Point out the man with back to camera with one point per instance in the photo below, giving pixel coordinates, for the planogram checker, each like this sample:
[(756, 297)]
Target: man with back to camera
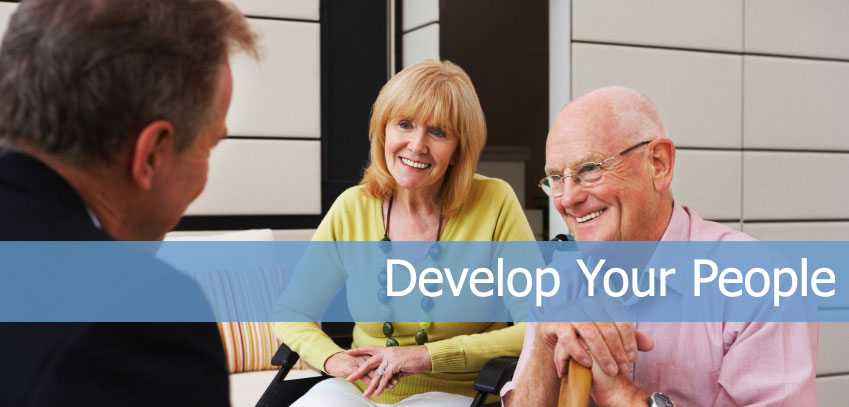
[(108, 112), (618, 164)]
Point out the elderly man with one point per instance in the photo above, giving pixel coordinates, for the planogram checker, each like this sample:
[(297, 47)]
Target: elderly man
[(609, 168), (108, 112)]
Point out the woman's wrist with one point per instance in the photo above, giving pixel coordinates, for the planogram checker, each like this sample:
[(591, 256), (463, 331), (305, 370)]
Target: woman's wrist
[(427, 362), (334, 364)]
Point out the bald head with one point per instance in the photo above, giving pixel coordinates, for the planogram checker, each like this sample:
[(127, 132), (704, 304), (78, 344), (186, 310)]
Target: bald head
[(631, 199), (618, 114)]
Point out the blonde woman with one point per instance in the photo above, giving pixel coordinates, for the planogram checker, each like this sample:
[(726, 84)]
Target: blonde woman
[(427, 131)]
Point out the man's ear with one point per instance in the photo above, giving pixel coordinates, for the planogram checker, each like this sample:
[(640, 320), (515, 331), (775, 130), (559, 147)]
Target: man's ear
[(152, 147), (662, 157)]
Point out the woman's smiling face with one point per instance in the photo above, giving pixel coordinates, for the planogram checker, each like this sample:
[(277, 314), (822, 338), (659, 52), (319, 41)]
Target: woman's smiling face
[(418, 153)]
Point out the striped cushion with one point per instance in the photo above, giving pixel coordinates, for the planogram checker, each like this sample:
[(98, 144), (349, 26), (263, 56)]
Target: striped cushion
[(248, 346)]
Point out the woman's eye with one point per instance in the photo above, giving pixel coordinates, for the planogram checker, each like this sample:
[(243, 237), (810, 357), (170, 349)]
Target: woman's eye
[(438, 133), (404, 124)]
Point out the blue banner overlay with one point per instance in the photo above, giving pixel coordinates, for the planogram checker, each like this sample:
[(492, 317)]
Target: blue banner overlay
[(424, 281)]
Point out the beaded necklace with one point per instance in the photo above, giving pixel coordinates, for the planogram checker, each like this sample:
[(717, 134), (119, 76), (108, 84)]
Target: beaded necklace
[(426, 303)]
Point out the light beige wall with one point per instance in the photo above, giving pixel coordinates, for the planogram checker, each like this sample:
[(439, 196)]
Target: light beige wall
[(755, 94), (294, 9), (420, 25), (274, 122)]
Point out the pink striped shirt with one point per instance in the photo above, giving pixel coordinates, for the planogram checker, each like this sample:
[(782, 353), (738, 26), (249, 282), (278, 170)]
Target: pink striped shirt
[(716, 363)]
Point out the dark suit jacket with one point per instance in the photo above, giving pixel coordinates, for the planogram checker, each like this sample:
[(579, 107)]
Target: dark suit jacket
[(52, 364)]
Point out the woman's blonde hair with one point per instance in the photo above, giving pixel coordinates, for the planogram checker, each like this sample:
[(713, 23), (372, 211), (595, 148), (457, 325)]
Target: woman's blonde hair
[(429, 91)]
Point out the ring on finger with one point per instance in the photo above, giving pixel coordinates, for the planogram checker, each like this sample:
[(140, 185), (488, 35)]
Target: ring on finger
[(380, 371)]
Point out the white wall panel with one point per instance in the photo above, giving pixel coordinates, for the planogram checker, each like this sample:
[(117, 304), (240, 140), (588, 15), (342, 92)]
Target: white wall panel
[(299, 9), (832, 391), (6, 10), (709, 182), (793, 231), (712, 25), (816, 28), (833, 354), (280, 95), (286, 235), (732, 225), (559, 81), (421, 44), (796, 103), (416, 13), (262, 177), (698, 94), (795, 185)]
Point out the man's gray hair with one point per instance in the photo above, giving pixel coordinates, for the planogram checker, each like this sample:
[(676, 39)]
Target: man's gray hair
[(80, 78)]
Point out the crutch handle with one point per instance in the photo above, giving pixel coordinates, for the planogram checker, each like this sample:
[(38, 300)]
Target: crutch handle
[(575, 387)]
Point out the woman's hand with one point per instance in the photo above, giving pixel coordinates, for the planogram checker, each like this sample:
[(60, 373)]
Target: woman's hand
[(343, 365), (395, 361)]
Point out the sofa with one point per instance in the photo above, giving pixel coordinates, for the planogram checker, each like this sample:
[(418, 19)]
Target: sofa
[(248, 346)]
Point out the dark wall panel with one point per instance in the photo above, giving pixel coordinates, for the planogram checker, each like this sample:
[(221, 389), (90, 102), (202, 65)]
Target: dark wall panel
[(354, 67), (503, 45)]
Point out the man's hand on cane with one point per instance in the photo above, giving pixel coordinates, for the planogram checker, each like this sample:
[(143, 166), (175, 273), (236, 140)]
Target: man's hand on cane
[(613, 345), (617, 390)]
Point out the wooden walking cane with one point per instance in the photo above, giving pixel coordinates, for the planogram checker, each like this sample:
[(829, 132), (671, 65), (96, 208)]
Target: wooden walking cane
[(575, 387)]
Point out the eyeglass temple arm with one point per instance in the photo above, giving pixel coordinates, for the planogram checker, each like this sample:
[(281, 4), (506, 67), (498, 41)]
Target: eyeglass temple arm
[(627, 150)]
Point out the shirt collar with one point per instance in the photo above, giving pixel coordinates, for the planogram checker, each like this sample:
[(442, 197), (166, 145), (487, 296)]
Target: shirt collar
[(677, 230), (94, 219)]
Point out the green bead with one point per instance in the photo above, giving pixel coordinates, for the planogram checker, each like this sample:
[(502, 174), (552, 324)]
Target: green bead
[(426, 304), (424, 325), (388, 330), (435, 251), (391, 342), (421, 337)]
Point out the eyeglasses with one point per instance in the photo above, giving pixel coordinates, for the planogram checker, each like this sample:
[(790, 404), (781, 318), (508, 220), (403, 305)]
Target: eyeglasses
[(586, 174)]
